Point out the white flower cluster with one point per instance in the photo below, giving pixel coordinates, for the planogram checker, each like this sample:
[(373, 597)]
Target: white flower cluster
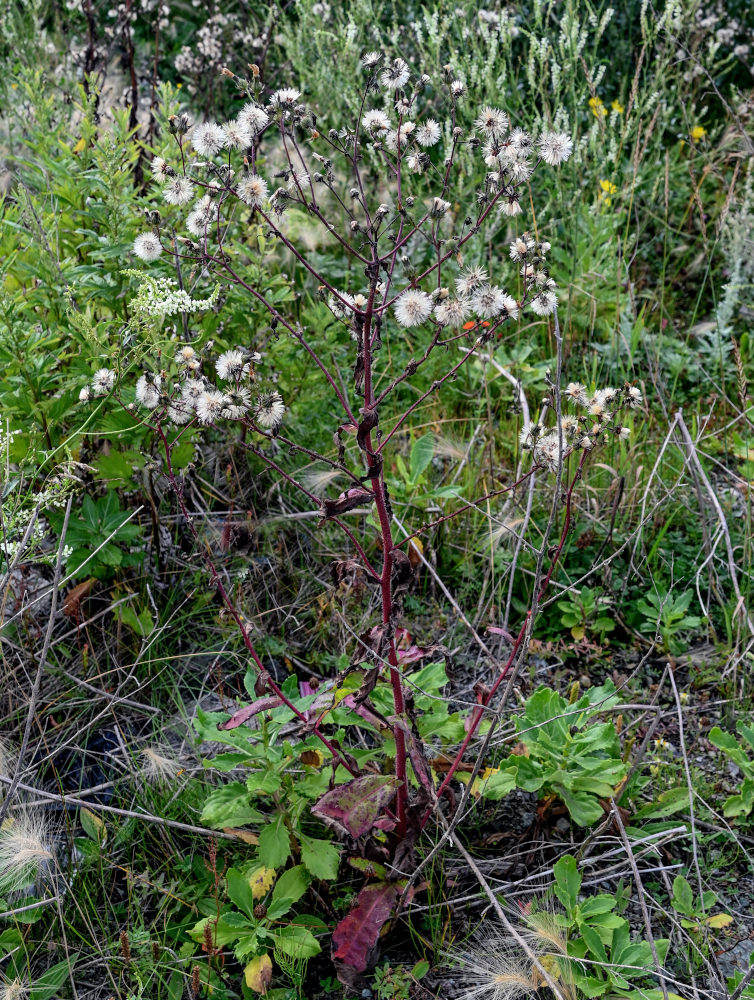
[(160, 297), (582, 430)]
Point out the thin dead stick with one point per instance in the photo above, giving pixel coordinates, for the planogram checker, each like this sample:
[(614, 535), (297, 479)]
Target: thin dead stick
[(31, 906), (640, 893), (37, 686), (694, 456), (72, 802)]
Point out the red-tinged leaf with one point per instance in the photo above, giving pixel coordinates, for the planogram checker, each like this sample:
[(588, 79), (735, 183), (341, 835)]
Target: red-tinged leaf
[(365, 713), (244, 714), (354, 806), (494, 630), (357, 933)]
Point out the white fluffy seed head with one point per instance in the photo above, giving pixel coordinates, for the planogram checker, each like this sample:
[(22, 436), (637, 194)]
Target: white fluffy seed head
[(103, 381), (488, 301), (237, 403), (208, 139), (159, 169), (231, 365), (253, 118), (147, 247), (252, 190), (376, 122), (148, 390), (178, 191), (413, 308), (492, 123), (237, 135), (394, 75), (428, 133), (209, 405), (269, 410), (555, 147)]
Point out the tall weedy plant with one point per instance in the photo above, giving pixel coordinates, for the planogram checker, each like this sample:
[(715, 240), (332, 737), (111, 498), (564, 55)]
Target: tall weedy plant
[(411, 265)]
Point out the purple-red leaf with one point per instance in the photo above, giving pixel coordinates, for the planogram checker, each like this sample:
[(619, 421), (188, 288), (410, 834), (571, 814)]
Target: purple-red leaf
[(357, 933), (354, 806), (244, 714)]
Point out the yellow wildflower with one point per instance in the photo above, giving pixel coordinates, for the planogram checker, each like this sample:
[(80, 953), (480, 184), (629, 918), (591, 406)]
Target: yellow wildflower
[(617, 106), (608, 189), (698, 132), (598, 108)]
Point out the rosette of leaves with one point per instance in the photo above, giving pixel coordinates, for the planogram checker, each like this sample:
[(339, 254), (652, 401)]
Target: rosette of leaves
[(565, 753)]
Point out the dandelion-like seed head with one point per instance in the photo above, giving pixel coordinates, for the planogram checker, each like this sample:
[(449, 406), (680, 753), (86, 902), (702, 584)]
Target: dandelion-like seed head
[(376, 122), (103, 381), (428, 133), (521, 140), (576, 392), (253, 118), (555, 147), (371, 59), (509, 203), (521, 247), (438, 208), (252, 190), (237, 403), (237, 135), (452, 312), (209, 405), (413, 308), (491, 123), (161, 170), (339, 306), (544, 302), (148, 390), (400, 136), (286, 97), (192, 389), (180, 412), (471, 278), (208, 139), (633, 396), (147, 247), (269, 410), (395, 75), (185, 354), (231, 365), (200, 216), (488, 301), (178, 191), (25, 851)]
